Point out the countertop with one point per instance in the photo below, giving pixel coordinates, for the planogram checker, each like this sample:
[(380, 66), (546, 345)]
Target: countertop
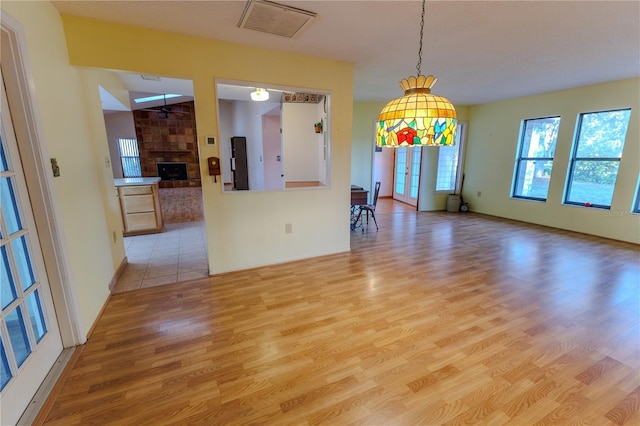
[(136, 181)]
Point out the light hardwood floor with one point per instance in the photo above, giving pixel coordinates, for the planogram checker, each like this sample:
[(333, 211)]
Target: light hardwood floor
[(437, 318)]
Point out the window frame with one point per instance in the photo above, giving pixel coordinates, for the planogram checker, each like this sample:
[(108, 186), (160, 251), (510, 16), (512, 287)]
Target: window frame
[(292, 154), (460, 144), (520, 159), (573, 159), (635, 207)]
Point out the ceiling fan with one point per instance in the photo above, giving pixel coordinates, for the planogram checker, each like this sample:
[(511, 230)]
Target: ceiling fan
[(164, 110)]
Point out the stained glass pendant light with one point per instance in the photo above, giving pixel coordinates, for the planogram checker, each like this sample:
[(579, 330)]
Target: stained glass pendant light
[(418, 117)]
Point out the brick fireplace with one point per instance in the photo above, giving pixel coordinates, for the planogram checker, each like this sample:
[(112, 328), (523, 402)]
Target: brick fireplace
[(170, 139), (172, 171)]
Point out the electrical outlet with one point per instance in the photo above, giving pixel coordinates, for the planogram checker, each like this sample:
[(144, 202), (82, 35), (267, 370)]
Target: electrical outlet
[(107, 162), (479, 193), (288, 228)]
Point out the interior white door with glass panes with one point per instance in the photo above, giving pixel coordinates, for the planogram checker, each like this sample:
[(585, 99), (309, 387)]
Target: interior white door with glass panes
[(30, 340), (407, 174)]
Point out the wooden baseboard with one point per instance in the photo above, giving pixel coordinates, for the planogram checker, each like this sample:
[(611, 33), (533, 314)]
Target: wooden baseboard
[(117, 274), (220, 274)]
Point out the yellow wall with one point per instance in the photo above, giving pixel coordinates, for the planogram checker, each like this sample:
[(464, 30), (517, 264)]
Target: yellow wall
[(492, 139), (491, 150), (108, 80), (68, 136), (362, 149), (244, 229)]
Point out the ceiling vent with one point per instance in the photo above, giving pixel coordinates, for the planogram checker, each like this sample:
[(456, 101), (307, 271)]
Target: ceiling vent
[(274, 18), (150, 77)]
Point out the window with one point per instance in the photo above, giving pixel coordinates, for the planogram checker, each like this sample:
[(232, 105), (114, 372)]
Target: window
[(636, 202), (596, 156), (534, 162), (449, 163), (129, 157)]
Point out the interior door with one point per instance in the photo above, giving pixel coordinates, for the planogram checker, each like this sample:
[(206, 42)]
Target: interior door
[(272, 152), (407, 174), (30, 340)]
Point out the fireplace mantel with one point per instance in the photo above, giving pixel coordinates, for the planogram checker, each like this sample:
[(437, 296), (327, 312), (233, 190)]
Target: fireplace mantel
[(170, 151)]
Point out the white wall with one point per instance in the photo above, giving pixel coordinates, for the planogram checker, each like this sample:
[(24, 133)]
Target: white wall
[(225, 112), (273, 179), (247, 122), (323, 145), (302, 151), (302, 145), (119, 125)]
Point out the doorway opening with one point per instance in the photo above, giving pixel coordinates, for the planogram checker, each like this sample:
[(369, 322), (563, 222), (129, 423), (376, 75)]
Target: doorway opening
[(159, 115)]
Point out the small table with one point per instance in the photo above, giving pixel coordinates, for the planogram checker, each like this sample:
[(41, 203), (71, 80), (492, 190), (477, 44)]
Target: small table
[(359, 196)]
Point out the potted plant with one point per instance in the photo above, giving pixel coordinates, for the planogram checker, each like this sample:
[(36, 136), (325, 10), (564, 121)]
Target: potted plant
[(318, 127)]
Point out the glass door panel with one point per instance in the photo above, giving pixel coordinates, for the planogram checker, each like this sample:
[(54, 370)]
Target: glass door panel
[(407, 174), (400, 173), (415, 173), (29, 337)]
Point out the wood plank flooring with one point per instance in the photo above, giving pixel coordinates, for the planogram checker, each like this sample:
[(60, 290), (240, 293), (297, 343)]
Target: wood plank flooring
[(437, 318)]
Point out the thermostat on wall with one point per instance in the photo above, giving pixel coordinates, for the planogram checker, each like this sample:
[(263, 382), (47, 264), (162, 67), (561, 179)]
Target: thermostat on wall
[(210, 140)]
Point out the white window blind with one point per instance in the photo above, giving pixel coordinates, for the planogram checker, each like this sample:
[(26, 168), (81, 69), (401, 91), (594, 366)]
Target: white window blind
[(130, 157), (448, 163)]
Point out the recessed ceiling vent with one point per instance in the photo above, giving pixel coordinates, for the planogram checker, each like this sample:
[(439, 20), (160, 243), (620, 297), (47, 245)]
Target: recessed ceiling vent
[(150, 77), (274, 18)]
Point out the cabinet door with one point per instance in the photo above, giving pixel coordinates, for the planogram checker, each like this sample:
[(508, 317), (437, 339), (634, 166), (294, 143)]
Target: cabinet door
[(140, 221), (135, 190), (138, 203)]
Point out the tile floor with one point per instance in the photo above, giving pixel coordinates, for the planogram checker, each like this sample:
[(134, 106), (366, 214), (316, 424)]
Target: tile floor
[(178, 253)]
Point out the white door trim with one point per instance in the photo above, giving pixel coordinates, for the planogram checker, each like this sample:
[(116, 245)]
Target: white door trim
[(35, 159)]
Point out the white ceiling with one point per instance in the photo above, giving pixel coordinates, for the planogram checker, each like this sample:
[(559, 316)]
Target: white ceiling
[(481, 51)]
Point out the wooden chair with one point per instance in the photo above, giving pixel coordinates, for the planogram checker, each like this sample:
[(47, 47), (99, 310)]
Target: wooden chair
[(370, 208)]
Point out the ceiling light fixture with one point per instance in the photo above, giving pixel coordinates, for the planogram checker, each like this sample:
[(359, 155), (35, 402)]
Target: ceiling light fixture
[(418, 117), (259, 95)]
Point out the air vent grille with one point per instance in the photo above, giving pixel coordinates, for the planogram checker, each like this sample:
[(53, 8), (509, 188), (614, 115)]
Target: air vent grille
[(274, 18), (150, 77)]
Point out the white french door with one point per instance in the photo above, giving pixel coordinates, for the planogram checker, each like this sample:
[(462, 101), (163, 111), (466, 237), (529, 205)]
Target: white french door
[(30, 341), (407, 174)]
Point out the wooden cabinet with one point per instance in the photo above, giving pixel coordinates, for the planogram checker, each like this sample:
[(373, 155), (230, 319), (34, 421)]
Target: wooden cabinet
[(140, 205)]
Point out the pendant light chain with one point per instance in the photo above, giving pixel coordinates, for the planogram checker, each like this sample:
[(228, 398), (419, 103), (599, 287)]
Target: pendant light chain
[(421, 34), (418, 118)]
